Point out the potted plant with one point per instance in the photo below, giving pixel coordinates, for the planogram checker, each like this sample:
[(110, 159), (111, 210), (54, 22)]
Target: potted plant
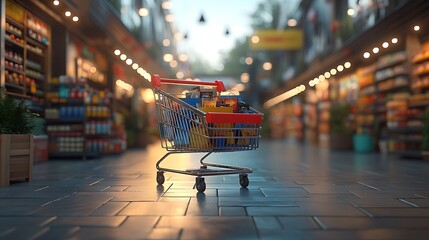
[(425, 142), (341, 134), (16, 140)]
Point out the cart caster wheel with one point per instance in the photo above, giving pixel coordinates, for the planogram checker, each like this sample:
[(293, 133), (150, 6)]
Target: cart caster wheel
[(244, 180), (160, 177), (200, 184), (203, 167)]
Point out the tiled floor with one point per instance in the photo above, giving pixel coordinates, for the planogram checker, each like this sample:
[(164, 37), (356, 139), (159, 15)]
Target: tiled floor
[(295, 192)]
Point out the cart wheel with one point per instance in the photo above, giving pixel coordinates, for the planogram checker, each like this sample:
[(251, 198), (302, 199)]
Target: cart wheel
[(160, 177), (203, 167), (200, 184), (244, 180)]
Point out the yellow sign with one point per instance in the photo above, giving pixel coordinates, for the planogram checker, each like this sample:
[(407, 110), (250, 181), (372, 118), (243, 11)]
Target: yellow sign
[(289, 39), (15, 11)]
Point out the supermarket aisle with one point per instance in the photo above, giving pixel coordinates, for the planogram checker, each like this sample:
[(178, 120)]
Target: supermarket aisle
[(295, 192)]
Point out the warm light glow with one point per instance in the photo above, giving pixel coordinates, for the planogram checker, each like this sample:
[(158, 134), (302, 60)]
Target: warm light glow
[(180, 75), (124, 85), (123, 57), (166, 42), (316, 81), (340, 68), (56, 2), (385, 45), (248, 60), (350, 12), (416, 28), (143, 12), (173, 64), (311, 83), (267, 66), (167, 5), (255, 39), (183, 57), (169, 18), (93, 69), (347, 65), (366, 55), (292, 22), (239, 87), (394, 40), (284, 96), (168, 57), (135, 66), (375, 50), (327, 75), (75, 18), (129, 61), (67, 13), (321, 78), (117, 52), (244, 78), (178, 36), (147, 95), (333, 71)]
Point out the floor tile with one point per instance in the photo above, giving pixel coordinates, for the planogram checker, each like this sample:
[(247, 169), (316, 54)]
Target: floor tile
[(154, 209)]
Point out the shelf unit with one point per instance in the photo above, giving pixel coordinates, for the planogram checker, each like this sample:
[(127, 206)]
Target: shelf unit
[(27, 48), (392, 77), (323, 113), (78, 118), (365, 112), (310, 117)]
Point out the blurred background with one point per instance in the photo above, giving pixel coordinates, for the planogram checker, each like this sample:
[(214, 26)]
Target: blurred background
[(320, 70)]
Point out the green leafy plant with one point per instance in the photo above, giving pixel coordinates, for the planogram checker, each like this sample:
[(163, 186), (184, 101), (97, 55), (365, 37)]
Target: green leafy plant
[(339, 114), (425, 143), (15, 116)]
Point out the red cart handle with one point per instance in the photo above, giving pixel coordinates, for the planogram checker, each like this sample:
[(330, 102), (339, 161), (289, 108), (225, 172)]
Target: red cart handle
[(157, 81)]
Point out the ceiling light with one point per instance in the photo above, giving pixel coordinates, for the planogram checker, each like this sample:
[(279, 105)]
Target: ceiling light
[(56, 2), (366, 55), (333, 71), (135, 66), (143, 12), (67, 13), (123, 57), (117, 52), (166, 42), (347, 65), (75, 18), (129, 61), (416, 28), (394, 40), (292, 22), (385, 45), (350, 12), (327, 75), (375, 50), (340, 68)]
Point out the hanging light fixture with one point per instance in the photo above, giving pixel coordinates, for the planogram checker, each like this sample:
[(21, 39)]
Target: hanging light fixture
[(185, 36), (227, 31), (202, 19)]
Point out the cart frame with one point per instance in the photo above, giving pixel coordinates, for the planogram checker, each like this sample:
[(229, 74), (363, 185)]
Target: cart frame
[(186, 129)]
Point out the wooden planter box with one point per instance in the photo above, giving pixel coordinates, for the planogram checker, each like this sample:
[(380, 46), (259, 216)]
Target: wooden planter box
[(16, 158)]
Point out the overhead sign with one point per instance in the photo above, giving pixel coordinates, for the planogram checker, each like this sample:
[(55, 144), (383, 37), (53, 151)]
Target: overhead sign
[(288, 39)]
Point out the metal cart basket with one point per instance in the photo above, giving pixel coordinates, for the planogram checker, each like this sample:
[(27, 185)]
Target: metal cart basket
[(184, 128)]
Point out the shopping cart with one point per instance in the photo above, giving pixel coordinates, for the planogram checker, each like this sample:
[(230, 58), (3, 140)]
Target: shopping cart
[(184, 128)]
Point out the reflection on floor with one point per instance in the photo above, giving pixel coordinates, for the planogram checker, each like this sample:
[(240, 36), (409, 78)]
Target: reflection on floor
[(295, 192)]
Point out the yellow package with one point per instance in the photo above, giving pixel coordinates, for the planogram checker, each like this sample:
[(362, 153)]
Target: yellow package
[(247, 137), (199, 137), (217, 109)]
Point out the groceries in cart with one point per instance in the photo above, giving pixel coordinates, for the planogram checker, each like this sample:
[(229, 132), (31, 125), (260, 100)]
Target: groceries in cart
[(204, 121)]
